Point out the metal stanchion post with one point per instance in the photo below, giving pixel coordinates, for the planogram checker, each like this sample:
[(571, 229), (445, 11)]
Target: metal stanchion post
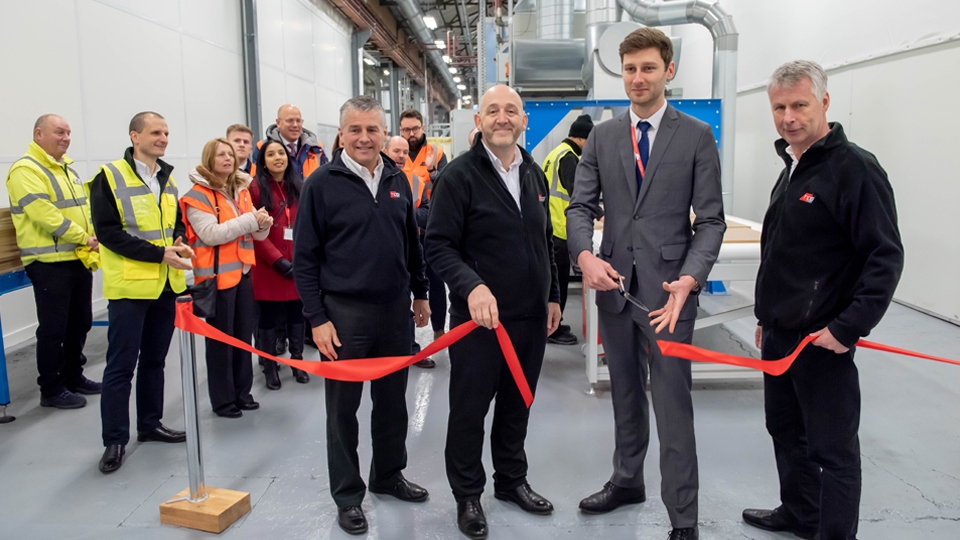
[(188, 368), (199, 507)]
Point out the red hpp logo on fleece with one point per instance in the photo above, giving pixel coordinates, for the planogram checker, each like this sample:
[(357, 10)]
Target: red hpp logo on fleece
[(808, 197), (394, 194), (540, 197)]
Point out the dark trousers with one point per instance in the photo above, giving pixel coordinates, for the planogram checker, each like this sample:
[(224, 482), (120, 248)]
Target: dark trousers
[(438, 300), (230, 370), (138, 339), (632, 354), (63, 292), (562, 258), (280, 315), (478, 374), (813, 415), (367, 330)]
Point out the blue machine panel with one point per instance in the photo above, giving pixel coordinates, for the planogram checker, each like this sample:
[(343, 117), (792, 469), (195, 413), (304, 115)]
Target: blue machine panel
[(545, 115)]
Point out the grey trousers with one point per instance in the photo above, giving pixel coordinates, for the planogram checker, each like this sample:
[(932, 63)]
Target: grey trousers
[(632, 353)]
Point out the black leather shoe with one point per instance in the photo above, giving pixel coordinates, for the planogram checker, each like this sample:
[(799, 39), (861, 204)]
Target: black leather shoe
[(248, 405), (352, 520), (403, 490), (612, 497), (162, 434), (230, 411), (689, 533), (775, 520), (300, 376), (87, 387), (527, 499), (470, 519), (112, 458)]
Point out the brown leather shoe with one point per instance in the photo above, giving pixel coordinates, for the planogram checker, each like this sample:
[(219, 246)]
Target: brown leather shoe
[(426, 363)]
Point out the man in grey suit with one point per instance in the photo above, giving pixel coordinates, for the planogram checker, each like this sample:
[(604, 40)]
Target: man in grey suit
[(651, 165)]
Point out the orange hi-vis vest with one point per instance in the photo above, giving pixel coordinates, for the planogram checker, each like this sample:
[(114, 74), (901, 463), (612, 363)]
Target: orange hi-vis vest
[(417, 166), (234, 254), (416, 186)]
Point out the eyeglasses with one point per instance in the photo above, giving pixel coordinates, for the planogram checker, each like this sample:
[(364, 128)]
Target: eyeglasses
[(411, 131)]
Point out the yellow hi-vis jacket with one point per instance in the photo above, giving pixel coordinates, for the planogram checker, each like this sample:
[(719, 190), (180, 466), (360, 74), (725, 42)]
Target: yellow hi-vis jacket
[(49, 207), (143, 218), (559, 198)]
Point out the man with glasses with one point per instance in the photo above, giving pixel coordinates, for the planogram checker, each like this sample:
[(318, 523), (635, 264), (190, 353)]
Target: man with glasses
[(426, 161), (306, 152)]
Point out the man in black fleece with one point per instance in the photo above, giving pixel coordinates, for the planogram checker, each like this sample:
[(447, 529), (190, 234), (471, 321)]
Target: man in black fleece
[(356, 260), (830, 261), (489, 238)]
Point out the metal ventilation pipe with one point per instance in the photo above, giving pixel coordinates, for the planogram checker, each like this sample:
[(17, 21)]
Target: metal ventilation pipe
[(413, 19), (599, 15), (707, 13), (555, 19)]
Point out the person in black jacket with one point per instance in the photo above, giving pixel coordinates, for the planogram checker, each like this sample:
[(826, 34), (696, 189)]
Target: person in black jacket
[(490, 239), (830, 260), (356, 259)]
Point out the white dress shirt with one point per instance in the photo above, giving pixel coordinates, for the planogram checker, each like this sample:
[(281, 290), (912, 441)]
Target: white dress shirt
[(793, 162), (654, 120), (372, 180), (149, 178), (511, 174), (290, 144)]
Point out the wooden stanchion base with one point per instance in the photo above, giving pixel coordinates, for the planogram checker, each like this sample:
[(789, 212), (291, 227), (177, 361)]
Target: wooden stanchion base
[(222, 508)]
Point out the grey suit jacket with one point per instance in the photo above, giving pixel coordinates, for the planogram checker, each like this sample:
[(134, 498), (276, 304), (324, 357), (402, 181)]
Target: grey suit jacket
[(650, 231)]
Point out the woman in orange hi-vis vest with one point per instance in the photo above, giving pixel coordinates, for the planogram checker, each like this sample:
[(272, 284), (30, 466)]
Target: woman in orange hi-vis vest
[(221, 227)]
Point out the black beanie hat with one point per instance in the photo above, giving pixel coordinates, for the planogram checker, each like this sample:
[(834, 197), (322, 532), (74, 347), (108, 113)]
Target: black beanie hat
[(581, 127)]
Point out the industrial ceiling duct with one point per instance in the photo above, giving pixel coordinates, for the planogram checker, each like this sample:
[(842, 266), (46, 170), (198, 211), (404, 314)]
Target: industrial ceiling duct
[(555, 19), (412, 18)]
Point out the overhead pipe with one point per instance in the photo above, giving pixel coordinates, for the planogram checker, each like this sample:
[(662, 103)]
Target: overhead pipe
[(555, 19), (413, 20), (710, 15)]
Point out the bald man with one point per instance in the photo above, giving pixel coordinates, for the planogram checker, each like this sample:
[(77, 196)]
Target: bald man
[(490, 239), (52, 219), (306, 152), (398, 149)]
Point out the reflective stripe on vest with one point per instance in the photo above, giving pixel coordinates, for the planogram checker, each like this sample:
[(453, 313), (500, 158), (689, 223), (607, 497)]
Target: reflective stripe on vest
[(232, 255), (417, 167), (559, 198), (144, 218)]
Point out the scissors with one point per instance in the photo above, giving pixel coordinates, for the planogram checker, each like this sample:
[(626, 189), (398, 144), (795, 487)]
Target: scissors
[(630, 298)]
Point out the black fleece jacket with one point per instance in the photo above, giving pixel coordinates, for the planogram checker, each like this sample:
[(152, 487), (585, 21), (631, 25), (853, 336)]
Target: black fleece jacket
[(109, 227), (348, 242), (831, 254), (477, 235)]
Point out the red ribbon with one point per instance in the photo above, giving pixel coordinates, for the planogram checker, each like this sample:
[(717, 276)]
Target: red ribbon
[(773, 367), (360, 369)]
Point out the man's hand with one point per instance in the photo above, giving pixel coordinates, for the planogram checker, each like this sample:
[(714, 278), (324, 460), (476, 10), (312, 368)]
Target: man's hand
[(826, 340), (553, 317), (668, 314), (93, 243), (483, 307), (421, 313), (325, 337), (597, 273), (758, 337), (431, 158), (178, 255)]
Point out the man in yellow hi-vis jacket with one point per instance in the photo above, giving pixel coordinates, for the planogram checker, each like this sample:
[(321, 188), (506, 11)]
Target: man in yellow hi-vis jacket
[(52, 218), (133, 201)]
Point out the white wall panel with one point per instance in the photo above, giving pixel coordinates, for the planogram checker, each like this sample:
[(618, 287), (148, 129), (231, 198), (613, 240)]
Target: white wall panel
[(217, 22), (304, 60), (161, 12), (214, 93), (27, 91), (109, 39), (298, 40)]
